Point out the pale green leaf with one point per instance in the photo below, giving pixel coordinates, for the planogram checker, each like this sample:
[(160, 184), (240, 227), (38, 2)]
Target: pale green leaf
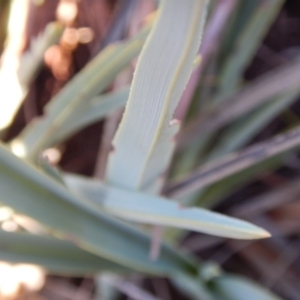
[(40, 197), (143, 143), (149, 209)]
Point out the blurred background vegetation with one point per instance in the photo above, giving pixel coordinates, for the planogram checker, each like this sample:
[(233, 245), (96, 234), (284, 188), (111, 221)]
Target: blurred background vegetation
[(250, 54)]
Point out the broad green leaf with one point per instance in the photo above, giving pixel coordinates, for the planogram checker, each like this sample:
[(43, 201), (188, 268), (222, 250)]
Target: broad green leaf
[(73, 99), (143, 143), (230, 287), (54, 255), (40, 197), (149, 209)]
